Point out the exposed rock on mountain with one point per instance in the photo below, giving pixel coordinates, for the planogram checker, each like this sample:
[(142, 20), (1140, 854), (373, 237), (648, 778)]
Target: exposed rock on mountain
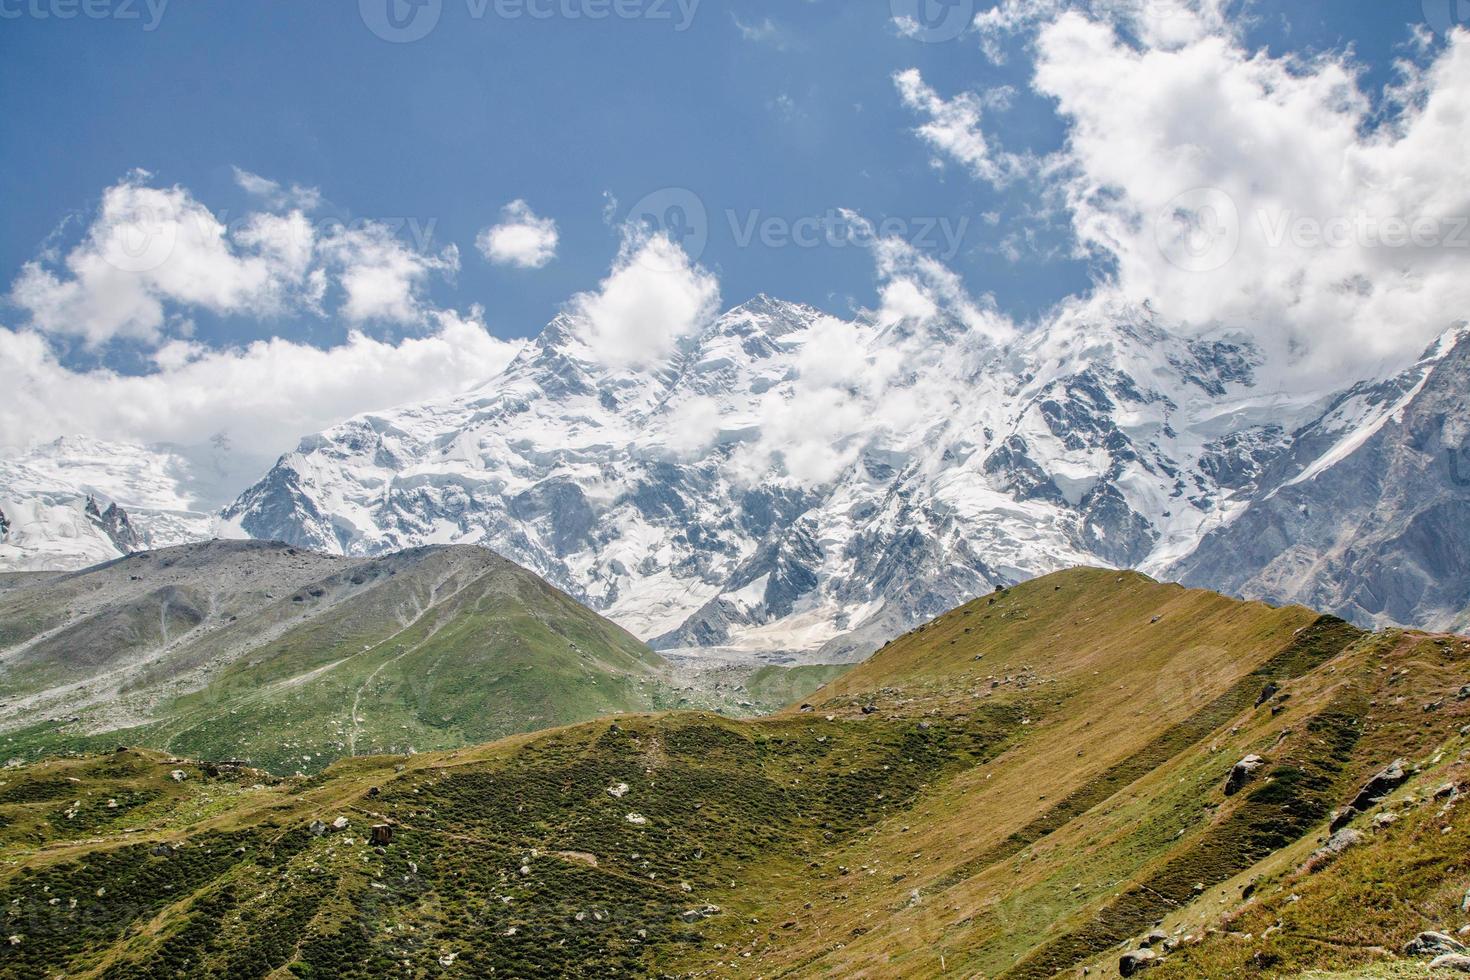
[(722, 499), (1368, 512)]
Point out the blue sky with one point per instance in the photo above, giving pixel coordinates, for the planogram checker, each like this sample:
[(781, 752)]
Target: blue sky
[(1021, 162), (778, 109)]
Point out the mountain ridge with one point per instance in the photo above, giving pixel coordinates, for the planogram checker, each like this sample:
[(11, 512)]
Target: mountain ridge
[(795, 487)]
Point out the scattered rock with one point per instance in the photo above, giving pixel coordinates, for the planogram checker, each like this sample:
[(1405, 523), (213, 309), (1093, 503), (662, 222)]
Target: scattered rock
[(1384, 820), (1433, 944), (1155, 938), (1341, 818), (340, 823), (1243, 772), (382, 835), (636, 819), (618, 791), (1384, 782), (316, 828), (1267, 693), (703, 912), (1451, 961), (178, 775), (1329, 852), (869, 709), (1136, 962)]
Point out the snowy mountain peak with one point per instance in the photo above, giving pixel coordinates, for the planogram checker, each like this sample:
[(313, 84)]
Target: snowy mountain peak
[(791, 484)]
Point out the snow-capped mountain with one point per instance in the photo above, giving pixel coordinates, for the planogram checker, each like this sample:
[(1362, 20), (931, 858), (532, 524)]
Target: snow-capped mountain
[(789, 482), (1368, 514), (79, 501)]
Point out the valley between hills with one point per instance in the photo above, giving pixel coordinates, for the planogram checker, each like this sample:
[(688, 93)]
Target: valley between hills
[(1091, 772)]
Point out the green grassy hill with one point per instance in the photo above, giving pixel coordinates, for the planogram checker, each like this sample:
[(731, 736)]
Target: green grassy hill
[(1025, 787), (290, 660)]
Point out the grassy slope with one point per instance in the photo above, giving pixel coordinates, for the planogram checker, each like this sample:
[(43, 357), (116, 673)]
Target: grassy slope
[(1018, 814), (432, 649)]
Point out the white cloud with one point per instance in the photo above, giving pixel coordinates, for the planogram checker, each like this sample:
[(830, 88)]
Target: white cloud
[(763, 31), (275, 195), (148, 248), (953, 127), (918, 289), (152, 256), (1191, 164), (263, 397), (383, 279), (1235, 189), (522, 239), (653, 297)]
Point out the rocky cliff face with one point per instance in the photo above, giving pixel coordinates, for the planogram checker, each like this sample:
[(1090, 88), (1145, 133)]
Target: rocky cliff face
[(1369, 513)]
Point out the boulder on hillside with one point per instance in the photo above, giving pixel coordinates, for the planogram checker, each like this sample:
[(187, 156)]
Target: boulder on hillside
[(1329, 852), (1243, 772), (1451, 961), (1385, 781), (1433, 944), (1136, 962)]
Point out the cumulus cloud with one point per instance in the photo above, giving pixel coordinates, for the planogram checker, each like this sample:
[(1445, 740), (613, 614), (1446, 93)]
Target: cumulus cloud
[(263, 397), (917, 289), (1237, 189), (153, 256), (521, 239), (381, 278), (652, 298), (148, 248)]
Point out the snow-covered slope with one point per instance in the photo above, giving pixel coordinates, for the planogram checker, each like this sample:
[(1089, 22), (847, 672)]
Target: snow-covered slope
[(786, 483), (1369, 514), (792, 483), (79, 501)]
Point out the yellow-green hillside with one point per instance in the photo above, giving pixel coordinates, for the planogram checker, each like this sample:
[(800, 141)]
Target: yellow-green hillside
[(1024, 787)]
